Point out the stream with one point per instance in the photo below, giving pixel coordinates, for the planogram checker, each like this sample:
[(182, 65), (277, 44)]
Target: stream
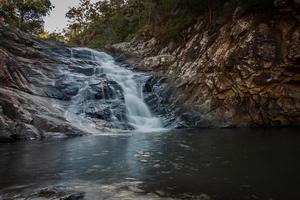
[(133, 150)]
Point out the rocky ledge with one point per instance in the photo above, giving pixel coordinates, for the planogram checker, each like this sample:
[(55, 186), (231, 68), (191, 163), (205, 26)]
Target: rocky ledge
[(247, 73), (26, 76)]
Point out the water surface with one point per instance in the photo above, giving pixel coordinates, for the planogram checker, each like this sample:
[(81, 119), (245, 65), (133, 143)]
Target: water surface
[(224, 164)]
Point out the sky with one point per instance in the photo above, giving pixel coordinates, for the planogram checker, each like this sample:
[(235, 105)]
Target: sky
[(57, 19)]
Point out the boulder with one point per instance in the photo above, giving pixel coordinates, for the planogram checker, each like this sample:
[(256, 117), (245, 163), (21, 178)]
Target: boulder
[(107, 90), (55, 124)]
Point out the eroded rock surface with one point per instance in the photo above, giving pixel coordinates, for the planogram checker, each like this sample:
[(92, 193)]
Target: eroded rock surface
[(247, 73), (27, 75)]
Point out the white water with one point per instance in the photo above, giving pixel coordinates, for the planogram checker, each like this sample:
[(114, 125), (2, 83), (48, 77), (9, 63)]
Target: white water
[(138, 114)]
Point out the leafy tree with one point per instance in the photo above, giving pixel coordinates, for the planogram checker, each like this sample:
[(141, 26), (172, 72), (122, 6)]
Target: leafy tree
[(25, 14), (8, 12), (80, 15), (117, 4), (111, 21)]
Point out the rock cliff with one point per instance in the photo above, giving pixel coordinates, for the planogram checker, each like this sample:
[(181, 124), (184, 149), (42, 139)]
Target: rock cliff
[(26, 75), (247, 73)]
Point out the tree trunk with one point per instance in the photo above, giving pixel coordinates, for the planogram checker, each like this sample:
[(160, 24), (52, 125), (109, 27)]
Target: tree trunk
[(22, 18), (210, 10), (149, 11)]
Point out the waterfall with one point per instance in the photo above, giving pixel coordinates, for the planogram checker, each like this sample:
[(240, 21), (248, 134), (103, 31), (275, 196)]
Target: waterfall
[(138, 114)]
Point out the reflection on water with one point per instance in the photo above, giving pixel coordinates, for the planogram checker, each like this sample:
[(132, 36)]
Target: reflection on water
[(225, 164)]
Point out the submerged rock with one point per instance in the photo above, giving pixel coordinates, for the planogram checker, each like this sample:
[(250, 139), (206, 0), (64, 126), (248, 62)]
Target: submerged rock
[(53, 193)]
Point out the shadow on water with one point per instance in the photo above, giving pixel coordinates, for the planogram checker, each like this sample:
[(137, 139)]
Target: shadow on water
[(223, 163)]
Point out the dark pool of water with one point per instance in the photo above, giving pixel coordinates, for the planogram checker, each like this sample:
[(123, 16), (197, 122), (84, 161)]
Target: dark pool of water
[(224, 164)]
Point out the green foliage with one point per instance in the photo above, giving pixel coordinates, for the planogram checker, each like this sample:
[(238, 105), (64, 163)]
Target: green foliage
[(120, 26), (111, 21), (114, 21), (172, 33), (57, 37), (25, 14)]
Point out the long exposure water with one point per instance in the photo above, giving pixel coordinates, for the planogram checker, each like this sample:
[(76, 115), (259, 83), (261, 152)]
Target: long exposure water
[(138, 112), (104, 88), (184, 164)]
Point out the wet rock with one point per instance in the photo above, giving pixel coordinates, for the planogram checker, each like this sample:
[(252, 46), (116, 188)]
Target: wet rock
[(26, 132), (156, 98), (82, 54), (56, 125), (88, 71), (104, 114), (54, 92), (5, 130), (63, 91), (119, 112), (67, 88), (108, 113), (53, 193), (107, 90)]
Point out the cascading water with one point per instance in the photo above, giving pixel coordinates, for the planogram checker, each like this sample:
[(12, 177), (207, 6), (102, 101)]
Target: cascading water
[(138, 113), (107, 94)]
